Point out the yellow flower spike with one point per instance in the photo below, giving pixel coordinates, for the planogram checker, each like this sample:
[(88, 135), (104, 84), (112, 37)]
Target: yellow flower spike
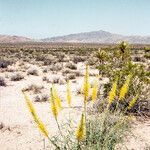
[(132, 102), (81, 129), (95, 90), (124, 89), (56, 98), (40, 124), (30, 106), (68, 93), (42, 128), (112, 93), (54, 108), (86, 85)]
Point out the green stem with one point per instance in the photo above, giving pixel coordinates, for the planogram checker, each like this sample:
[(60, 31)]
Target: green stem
[(54, 143), (61, 132)]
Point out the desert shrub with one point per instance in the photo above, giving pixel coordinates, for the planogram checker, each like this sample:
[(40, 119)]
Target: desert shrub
[(45, 70), (116, 63), (147, 49), (77, 73), (56, 67), (33, 87), (66, 71), (41, 98), (2, 81), (137, 59), (71, 76), (91, 61), (5, 63), (44, 78), (77, 59), (49, 60), (65, 59), (32, 71), (16, 77), (147, 56), (60, 56), (71, 65), (40, 58), (58, 79)]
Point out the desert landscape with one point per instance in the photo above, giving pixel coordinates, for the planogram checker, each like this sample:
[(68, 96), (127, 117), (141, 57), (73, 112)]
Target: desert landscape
[(35, 67), (74, 75)]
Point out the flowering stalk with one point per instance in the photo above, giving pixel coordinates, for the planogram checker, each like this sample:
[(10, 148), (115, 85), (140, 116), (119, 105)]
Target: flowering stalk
[(132, 102), (81, 129), (40, 124), (95, 90), (56, 98), (86, 84), (112, 93), (68, 94), (125, 88)]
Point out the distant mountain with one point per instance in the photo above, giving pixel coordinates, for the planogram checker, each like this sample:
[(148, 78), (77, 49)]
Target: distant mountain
[(14, 39), (85, 37), (98, 37)]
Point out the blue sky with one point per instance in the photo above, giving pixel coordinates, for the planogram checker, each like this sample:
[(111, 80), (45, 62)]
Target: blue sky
[(47, 18)]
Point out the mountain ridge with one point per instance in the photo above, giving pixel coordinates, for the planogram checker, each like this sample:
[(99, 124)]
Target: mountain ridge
[(14, 39), (83, 37), (98, 37)]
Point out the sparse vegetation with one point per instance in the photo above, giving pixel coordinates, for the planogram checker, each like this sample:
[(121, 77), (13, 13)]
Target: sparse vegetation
[(16, 77), (32, 71), (71, 65), (2, 81), (106, 104), (33, 87)]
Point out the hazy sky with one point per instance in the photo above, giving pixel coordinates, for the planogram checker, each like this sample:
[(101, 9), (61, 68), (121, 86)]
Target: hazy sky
[(47, 18)]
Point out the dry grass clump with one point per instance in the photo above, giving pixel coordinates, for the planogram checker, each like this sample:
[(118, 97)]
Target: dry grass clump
[(45, 78), (41, 98), (56, 67), (45, 69), (91, 61), (71, 65), (65, 59), (32, 71), (77, 59), (58, 79), (137, 59), (16, 77), (60, 56), (49, 60), (66, 71), (2, 81), (71, 76), (77, 73), (54, 79), (33, 87)]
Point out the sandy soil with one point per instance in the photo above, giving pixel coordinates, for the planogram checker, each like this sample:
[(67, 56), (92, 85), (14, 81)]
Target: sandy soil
[(20, 132)]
